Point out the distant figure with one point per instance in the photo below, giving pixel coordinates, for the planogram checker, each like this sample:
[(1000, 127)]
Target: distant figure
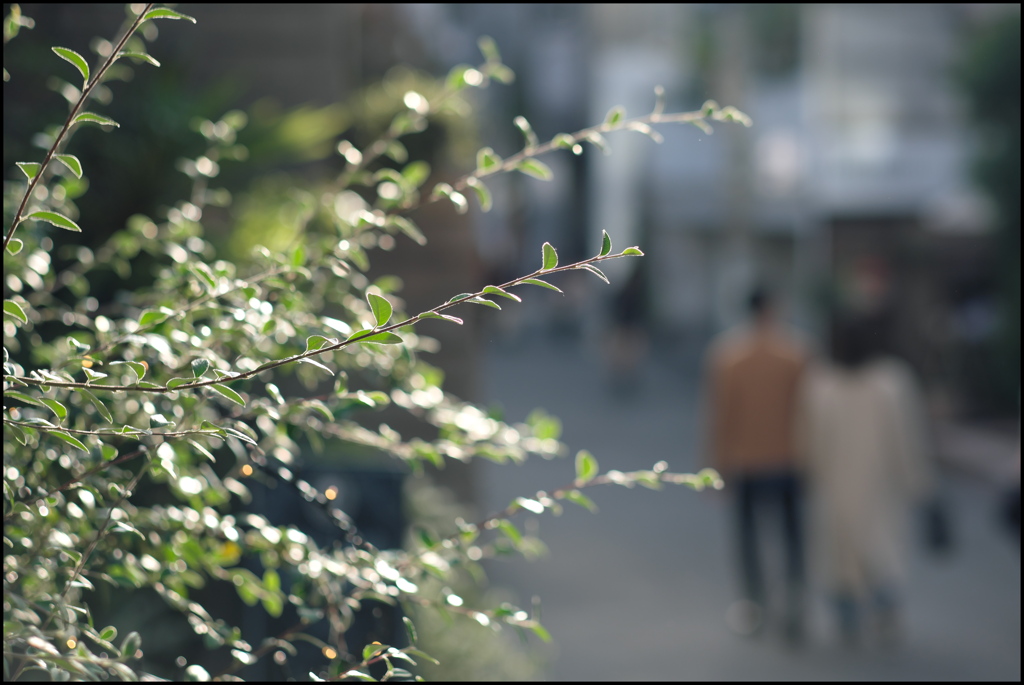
[(754, 374), (628, 344), (862, 436)]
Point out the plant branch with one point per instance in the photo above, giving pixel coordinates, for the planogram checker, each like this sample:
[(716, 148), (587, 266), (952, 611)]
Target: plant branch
[(328, 348), (86, 92)]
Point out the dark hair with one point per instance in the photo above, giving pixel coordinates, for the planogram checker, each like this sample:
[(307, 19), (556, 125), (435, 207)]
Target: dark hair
[(857, 338), (759, 300)]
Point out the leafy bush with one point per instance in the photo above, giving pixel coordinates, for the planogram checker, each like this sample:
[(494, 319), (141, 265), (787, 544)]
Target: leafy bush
[(135, 427)]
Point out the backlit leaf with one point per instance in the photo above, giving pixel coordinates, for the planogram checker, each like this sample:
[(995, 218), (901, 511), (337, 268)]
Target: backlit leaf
[(56, 219), (74, 58), (380, 307), (549, 257), (586, 467), (535, 168), (495, 290), (164, 13), (66, 437), (606, 243), (95, 118), (543, 284), (30, 169), (228, 393), (12, 308)]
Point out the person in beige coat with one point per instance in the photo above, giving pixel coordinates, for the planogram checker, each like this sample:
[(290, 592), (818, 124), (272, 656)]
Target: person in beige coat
[(861, 437), (753, 377)]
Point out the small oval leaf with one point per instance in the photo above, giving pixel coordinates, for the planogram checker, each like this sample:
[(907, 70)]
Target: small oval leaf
[(164, 13), (74, 58), (586, 467), (543, 284), (606, 243), (58, 220), (535, 168), (199, 367), (66, 437), (12, 308), (380, 307), (550, 257), (228, 393), (95, 118), (72, 163), (30, 169)]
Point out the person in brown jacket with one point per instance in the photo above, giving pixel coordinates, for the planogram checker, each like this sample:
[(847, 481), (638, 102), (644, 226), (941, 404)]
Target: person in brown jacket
[(753, 376)]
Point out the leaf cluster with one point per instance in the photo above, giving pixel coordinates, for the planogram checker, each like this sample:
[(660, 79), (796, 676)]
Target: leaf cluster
[(219, 373)]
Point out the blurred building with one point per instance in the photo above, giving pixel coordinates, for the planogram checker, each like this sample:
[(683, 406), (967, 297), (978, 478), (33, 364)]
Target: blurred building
[(853, 183)]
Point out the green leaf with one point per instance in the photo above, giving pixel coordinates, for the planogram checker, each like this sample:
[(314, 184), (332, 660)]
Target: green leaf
[(416, 173), (543, 284), (487, 159), (315, 342), (228, 393), (66, 437), (381, 308), (495, 290), (410, 630), (483, 194), (564, 141), (615, 115), (12, 308), (56, 219), (598, 140), (386, 338), (523, 125), (30, 169), (372, 649), (489, 49), (409, 228), (632, 251), (199, 367), (541, 632), (586, 467), (137, 368), (56, 407), (150, 317), (95, 401), (485, 302), (139, 56), (550, 257), (446, 317), (95, 118), (164, 13), (108, 633), (535, 168), (511, 531), (159, 421), (14, 247), (177, 382), (21, 397), (606, 244), (77, 60), (531, 505), (597, 272), (130, 644), (314, 362), (577, 497), (422, 655)]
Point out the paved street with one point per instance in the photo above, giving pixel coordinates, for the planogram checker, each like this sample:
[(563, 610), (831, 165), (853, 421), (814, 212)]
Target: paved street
[(639, 590)]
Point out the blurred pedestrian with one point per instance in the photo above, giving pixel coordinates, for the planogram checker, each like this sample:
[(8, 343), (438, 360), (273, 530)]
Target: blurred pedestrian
[(862, 436), (753, 375), (628, 343)]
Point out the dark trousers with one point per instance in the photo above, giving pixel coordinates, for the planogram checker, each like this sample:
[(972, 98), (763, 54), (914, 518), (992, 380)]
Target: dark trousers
[(758, 497)]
